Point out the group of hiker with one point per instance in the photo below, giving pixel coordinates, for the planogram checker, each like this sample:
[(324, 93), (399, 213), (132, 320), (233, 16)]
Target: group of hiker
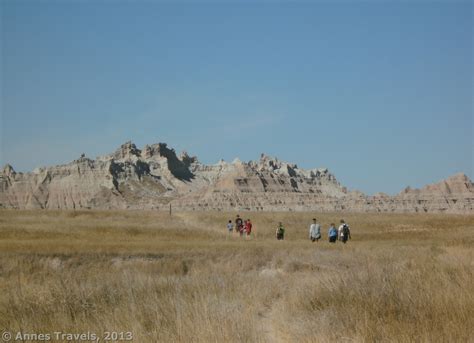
[(342, 233), (242, 227)]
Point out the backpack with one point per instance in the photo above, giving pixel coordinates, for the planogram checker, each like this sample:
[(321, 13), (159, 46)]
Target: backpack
[(345, 229)]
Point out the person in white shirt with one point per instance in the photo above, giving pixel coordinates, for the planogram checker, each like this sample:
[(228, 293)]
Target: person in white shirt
[(344, 232), (315, 231)]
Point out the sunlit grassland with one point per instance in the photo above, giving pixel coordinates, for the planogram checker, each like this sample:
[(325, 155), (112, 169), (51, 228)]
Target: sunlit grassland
[(182, 278)]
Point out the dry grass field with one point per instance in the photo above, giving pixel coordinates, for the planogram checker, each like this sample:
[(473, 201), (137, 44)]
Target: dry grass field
[(402, 278)]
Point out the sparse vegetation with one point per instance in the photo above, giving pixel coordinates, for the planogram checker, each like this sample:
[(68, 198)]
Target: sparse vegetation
[(401, 278)]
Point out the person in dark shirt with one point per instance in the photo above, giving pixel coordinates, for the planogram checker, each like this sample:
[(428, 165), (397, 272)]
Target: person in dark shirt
[(280, 232), (239, 224)]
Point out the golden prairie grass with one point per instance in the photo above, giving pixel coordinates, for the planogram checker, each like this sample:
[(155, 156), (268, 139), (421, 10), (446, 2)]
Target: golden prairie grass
[(182, 278)]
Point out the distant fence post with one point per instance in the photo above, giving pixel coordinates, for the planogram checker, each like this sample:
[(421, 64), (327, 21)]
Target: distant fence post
[(170, 209)]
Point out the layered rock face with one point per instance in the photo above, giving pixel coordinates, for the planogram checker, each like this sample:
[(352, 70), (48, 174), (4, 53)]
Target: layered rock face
[(154, 177)]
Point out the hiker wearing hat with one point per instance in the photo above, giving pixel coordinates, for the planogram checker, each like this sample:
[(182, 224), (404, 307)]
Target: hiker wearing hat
[(344, 232)]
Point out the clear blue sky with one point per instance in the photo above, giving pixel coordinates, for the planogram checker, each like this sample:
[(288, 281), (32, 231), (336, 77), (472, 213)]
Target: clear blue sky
[(381, 94)]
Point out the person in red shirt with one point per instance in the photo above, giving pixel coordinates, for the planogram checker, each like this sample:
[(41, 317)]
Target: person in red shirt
[(243, 228), (248, 227)]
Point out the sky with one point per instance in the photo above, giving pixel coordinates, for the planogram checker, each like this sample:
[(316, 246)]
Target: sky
[(381, 93)]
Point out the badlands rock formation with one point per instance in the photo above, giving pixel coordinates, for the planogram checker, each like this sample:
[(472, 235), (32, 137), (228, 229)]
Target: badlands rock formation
[(154, 177)]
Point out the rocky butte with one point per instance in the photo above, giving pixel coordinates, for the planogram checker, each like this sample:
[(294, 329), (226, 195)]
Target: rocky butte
[(154, 177)]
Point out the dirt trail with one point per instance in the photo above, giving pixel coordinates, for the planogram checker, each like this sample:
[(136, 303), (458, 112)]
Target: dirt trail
[(269, 331), (268, 324)]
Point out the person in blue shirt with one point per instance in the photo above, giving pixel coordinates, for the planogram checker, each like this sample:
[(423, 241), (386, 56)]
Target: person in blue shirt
[(230, 226), (332, 234)]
